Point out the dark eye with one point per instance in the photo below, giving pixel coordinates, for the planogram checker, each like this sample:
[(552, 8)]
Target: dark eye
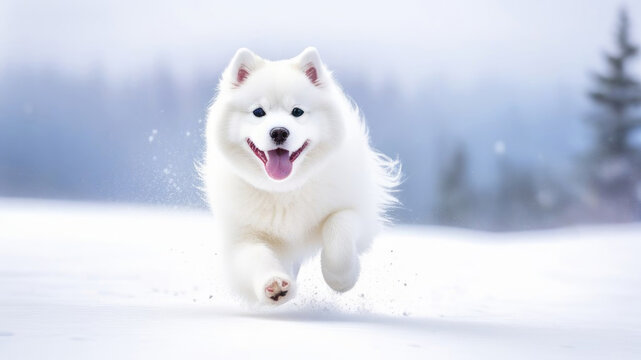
[(296, 112), (259, 112)]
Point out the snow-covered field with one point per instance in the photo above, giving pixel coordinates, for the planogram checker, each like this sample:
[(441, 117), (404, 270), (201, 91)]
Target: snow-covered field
[(82, 281)]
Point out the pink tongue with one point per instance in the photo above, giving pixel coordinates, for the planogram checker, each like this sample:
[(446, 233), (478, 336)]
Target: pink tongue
[(278, 165)]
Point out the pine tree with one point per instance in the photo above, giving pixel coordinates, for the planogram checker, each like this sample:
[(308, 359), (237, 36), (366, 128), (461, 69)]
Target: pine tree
[(617, 93), (454, 193), (614, 167)]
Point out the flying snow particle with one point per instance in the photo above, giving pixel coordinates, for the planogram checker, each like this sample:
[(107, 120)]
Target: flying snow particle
[(151, 137), (188, 133), (499, 147)]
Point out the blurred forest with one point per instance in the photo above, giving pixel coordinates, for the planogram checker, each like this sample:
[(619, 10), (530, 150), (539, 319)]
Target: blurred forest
[(603, 185), (86, 138)]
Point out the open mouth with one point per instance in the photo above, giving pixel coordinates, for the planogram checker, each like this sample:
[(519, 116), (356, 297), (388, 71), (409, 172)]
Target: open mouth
[(278, 162)]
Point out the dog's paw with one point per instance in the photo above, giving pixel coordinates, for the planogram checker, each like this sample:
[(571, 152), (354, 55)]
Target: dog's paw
[(277, 289), (341, 278)]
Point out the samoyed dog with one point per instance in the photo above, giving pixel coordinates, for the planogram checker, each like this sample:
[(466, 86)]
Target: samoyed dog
[(289, 171)]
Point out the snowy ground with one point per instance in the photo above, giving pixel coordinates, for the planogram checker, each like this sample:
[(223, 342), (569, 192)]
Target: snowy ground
[(113, 282)]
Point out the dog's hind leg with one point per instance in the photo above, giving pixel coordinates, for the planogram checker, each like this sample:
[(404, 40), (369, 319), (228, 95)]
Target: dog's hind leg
[(339, 258)]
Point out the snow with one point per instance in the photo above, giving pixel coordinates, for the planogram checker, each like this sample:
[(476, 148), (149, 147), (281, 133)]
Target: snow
[(499, 147), (96, 281), (151, 137)]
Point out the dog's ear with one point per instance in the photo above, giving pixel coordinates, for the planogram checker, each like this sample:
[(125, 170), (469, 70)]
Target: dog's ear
[(310, 63), (240, 67)]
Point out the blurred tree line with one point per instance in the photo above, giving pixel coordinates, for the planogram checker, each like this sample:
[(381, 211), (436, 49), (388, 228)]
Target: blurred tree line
[(136, 139), (606, 183)]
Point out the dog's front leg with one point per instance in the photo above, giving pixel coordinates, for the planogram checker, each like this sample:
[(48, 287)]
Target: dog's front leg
[(258, 271), (339, 259)]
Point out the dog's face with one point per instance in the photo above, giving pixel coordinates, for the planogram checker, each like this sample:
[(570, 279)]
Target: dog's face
[(276, 122)]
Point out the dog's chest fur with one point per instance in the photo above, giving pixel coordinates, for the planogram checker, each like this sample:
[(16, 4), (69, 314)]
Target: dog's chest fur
[(291, 218)]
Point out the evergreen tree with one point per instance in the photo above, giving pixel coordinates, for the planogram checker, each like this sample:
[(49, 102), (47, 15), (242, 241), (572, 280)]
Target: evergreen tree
[(617, 93), (614, 167), (454, 194)]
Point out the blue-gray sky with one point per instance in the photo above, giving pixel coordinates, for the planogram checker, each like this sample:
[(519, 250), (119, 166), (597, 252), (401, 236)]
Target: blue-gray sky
[(463, 42)]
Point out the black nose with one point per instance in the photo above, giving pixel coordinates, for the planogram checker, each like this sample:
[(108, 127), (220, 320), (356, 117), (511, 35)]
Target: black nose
[(279, 135)]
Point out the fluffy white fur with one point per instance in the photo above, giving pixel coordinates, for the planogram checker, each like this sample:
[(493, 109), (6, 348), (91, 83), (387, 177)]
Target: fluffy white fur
[(335, 198)]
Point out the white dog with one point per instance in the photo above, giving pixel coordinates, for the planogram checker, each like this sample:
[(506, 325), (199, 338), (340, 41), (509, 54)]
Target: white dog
[(289, 170)]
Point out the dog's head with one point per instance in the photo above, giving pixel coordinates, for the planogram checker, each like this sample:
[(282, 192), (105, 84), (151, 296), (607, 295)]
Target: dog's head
[(276, 122)]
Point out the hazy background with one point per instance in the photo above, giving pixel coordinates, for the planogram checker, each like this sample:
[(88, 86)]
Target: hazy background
[(484, 102)]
